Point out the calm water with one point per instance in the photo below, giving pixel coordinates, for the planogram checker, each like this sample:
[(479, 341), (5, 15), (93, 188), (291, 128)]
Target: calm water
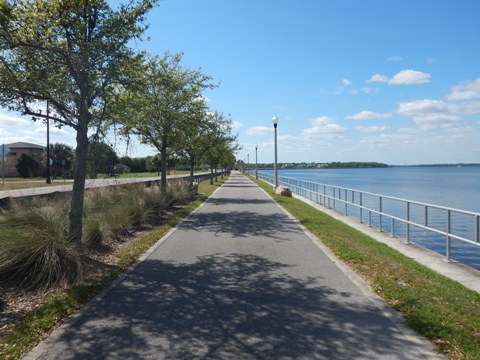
[(455, 187)]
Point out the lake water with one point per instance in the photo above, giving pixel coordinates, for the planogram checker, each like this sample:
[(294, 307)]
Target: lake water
[(453, 187)]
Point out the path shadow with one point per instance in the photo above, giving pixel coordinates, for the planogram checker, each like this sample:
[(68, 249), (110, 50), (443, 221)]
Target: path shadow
[(234, 183), (238, 201), (243, 224), (228, 307)]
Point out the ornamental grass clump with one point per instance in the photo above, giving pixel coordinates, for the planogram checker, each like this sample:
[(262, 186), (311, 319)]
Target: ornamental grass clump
[(104, 215), (178, 192), (35, 250), (144, 204), (111, 211)]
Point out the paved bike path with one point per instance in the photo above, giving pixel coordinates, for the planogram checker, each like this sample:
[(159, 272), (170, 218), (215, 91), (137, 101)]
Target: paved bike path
[(239, 279)]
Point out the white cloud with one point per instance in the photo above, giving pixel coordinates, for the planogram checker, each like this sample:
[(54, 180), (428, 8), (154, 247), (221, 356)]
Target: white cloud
[(13, 120), (409, 77), (53, 130), (404, 77), (378, 78), (368, 115), (429, 113), (259, 130), (236, 125), (467, 90), (341, 88), (394, 58), (323, 125), (388, 141), (365, 90), (28, 139), (406, 131), (372, 129)]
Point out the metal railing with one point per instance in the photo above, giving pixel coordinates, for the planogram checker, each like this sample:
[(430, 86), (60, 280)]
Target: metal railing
[(387, 212)]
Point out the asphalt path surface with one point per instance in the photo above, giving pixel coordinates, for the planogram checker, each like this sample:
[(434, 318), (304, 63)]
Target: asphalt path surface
[(239, 279)]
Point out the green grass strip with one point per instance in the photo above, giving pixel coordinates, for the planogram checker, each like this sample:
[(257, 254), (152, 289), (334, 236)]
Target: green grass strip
[(38, 323), (435, 306)]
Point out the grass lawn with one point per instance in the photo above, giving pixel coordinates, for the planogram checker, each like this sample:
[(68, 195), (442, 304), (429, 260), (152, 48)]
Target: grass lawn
[(436, 307), (38, 323)]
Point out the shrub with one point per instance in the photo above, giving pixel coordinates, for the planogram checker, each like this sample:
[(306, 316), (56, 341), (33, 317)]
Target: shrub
[(143, 204), (121, 169), (93, 233), (35, 251), (178, 192), (27, 166), (109, 212), (103, 217)]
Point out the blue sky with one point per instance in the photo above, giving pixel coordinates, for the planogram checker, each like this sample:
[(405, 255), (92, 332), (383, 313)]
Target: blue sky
[(389, 81)]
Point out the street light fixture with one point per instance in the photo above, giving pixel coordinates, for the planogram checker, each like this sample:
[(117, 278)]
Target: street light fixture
[(256, 163), (275, 122)]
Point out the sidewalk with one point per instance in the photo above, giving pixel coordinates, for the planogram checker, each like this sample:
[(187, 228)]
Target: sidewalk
[(89, 183), (238, 279)]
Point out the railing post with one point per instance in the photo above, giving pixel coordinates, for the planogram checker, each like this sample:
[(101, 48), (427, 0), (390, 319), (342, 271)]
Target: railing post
[(346, 198), (426, 216), (449, 229), (361, 209), (477, 225), (408, 223), (380, 211), (369, 218), (334, 195), (324, 194), (392, 233)]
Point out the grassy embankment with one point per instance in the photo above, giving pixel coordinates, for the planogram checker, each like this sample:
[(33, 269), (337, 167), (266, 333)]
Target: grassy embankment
[(436, 307), (35, 325)]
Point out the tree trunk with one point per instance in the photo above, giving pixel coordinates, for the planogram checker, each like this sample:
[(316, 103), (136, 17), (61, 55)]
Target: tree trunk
[(76, 207), (192, 169), (216, 177), (163, 180), (211, 174)]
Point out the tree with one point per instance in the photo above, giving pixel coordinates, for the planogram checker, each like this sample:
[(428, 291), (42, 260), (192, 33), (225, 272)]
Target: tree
[(63, 157), (191, 143), (71, 54), (163, 101), (219, 144), (101, 159), (27, 166)]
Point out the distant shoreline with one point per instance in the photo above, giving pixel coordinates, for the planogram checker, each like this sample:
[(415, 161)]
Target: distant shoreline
[(350, 165)]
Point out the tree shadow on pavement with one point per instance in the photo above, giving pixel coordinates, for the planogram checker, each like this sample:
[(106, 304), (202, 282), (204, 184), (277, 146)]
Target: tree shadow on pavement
[(235, 201), (229, 307), (276, 226)]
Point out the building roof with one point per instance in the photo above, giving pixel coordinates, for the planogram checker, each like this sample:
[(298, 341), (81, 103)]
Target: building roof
[(24, 145)]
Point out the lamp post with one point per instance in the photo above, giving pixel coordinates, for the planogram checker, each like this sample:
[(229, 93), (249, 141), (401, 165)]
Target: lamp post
[(256, 162), (275, 122), (248, 164), (49, 180)]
